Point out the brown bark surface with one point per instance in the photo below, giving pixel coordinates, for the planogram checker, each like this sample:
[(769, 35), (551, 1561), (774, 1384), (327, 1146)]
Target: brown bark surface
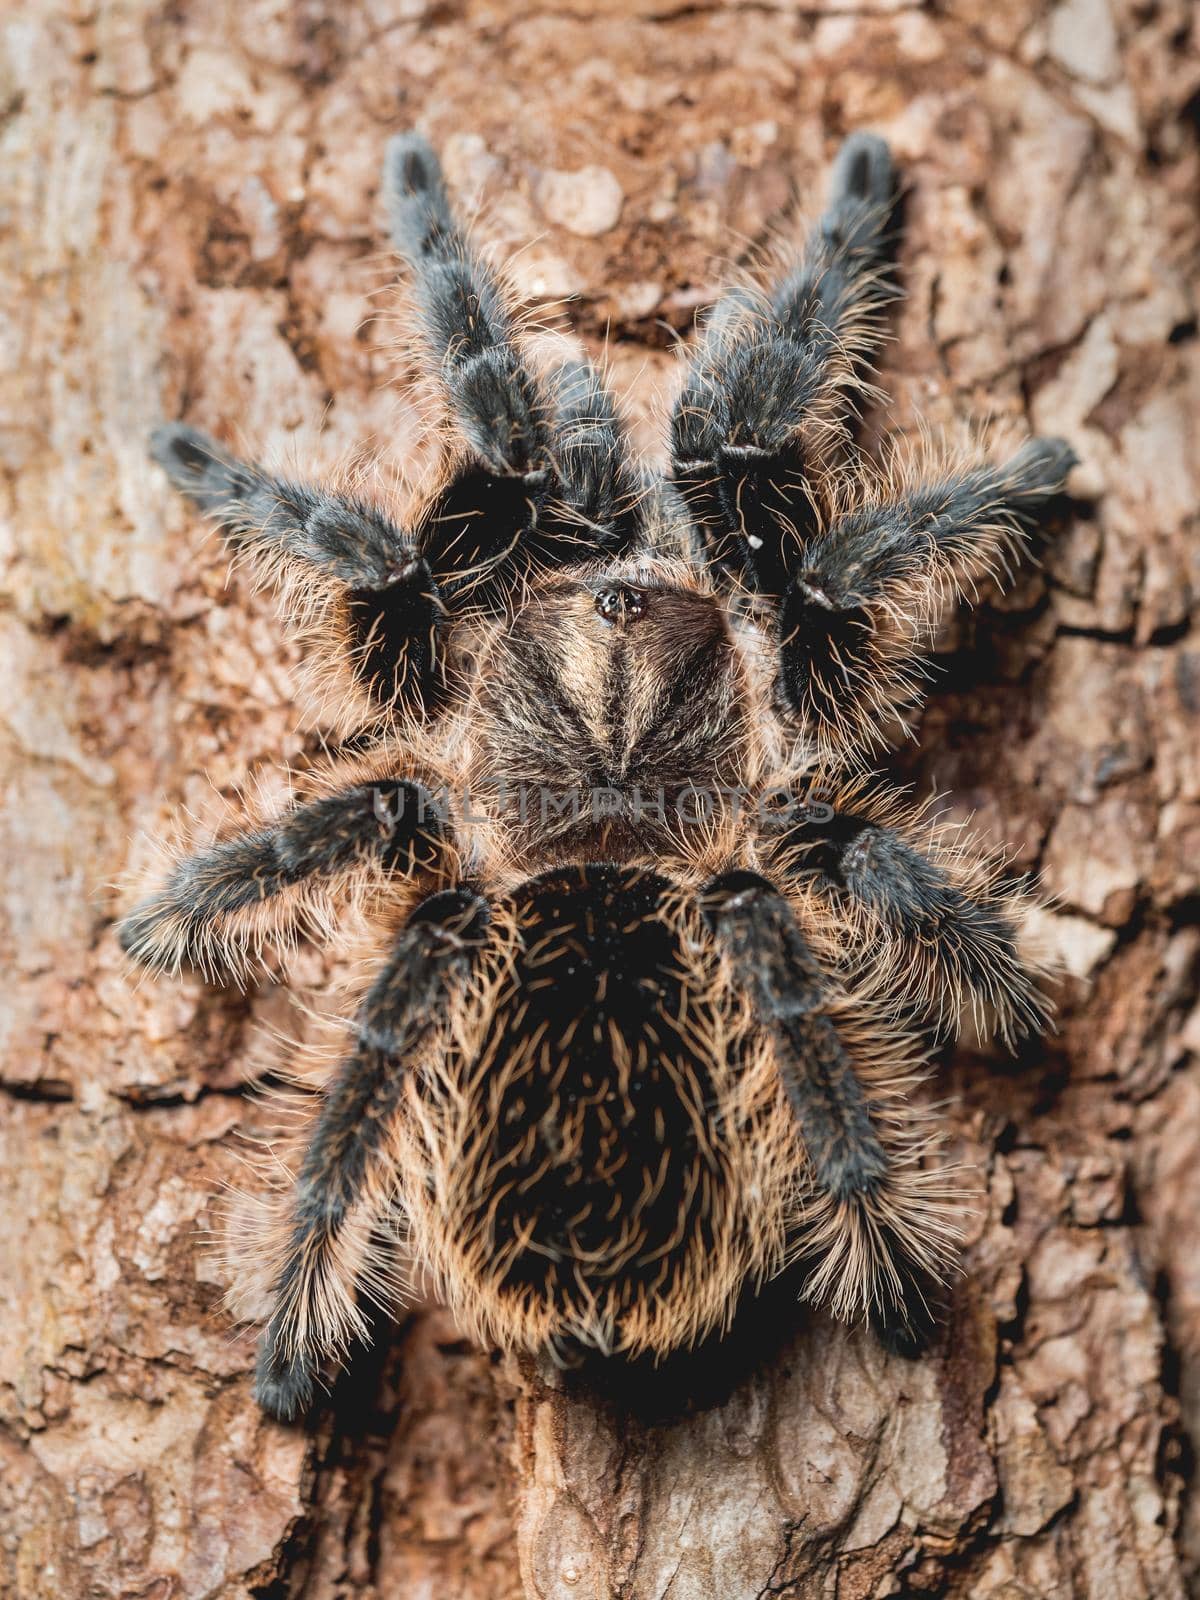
[(191, 228)]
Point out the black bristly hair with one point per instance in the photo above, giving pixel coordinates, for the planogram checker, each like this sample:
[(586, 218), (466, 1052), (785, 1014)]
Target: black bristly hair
[(864, 595), (761, 413), (465, 320), (345, 1165), (842, 1080), (216, 907), (944, 921), (655, 964)]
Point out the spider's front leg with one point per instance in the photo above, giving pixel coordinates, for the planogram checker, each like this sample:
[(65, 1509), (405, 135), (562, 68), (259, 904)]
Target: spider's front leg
[(218, 907), (500, 406), (876, 1221), (473, 526), (325, 1261), (762, 416), (468, 330), (546, 480), (922, 914)]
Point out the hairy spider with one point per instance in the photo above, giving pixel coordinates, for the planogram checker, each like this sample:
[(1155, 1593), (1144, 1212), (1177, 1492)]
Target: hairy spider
[(660, 959)]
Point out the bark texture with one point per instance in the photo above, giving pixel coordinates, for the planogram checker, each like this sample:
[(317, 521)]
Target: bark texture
[(191, 227)]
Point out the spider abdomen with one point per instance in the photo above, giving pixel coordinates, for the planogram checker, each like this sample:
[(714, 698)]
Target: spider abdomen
[(603, 1156)]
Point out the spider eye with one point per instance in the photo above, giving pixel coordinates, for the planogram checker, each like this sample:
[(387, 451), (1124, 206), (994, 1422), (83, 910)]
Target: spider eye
[(621, 602)]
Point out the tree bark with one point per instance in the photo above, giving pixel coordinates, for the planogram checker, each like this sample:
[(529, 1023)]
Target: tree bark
[(193, 229)]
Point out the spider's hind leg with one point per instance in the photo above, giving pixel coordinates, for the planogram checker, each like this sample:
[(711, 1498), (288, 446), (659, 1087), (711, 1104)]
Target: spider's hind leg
[(324, 1260), (762, 416), (218, 907), (876, 1223)]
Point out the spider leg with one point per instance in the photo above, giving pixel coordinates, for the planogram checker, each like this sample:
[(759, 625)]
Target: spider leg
[(468, 330), (547, 481), (876, 1222), (592, 512), (925, 915), (858, 612), (218, 907), (334, 554), (532, 488), (475, 528), (761, 417), (346, 1162), (277, 521)]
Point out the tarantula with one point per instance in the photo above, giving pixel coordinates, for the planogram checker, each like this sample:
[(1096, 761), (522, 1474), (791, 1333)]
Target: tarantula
[(660, 960)]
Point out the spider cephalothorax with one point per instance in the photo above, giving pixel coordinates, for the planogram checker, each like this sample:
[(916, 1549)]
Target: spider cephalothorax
[(657, 955)]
